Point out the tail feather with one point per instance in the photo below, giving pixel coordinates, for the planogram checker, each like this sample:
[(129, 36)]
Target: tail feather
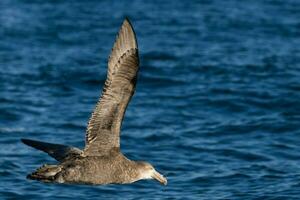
[(46, 173), (57, 151)]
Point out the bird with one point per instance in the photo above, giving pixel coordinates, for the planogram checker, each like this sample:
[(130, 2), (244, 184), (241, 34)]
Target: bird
[(101, 161)]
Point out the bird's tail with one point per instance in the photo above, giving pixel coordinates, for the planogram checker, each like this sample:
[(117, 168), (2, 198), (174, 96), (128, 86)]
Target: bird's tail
[(46, 173)]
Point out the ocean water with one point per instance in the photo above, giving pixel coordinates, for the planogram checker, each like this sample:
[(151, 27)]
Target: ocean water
[(217, 104)]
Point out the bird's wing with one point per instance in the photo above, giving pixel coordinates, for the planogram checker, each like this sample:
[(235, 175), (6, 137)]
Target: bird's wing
[(103, 131), (58, 151)]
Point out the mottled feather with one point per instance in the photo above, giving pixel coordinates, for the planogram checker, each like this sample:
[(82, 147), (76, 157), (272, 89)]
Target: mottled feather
[(103, 131)]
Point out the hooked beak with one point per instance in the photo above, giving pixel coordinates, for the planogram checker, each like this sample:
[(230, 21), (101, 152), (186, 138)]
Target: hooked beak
[(159, 178)]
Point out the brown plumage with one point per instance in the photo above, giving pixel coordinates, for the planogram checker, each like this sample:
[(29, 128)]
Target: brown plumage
[(103, 131), (101, 161)]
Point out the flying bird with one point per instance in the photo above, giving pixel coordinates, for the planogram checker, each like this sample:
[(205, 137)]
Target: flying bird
[(101, 161)]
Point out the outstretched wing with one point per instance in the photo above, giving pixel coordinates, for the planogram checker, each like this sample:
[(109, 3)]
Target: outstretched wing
[(58, 151), (103, 131)]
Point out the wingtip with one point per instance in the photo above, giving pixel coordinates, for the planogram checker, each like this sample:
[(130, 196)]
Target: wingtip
[(126, 20), (29, 142), (25, 141)]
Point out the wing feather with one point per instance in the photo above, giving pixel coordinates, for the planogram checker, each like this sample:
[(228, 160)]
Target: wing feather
[(58, 151), (103, 131)]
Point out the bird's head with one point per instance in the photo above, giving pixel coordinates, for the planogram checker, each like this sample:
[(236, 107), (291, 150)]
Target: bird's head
[(147, 171)]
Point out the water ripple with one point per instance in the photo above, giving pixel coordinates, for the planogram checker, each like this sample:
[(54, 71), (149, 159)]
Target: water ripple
[(216, 108)]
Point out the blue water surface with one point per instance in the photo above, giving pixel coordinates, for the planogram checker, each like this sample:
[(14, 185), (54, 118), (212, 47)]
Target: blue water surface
[(217, 104)]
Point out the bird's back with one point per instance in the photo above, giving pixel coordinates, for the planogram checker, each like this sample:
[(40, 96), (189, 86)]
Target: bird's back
[(113, 168)]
